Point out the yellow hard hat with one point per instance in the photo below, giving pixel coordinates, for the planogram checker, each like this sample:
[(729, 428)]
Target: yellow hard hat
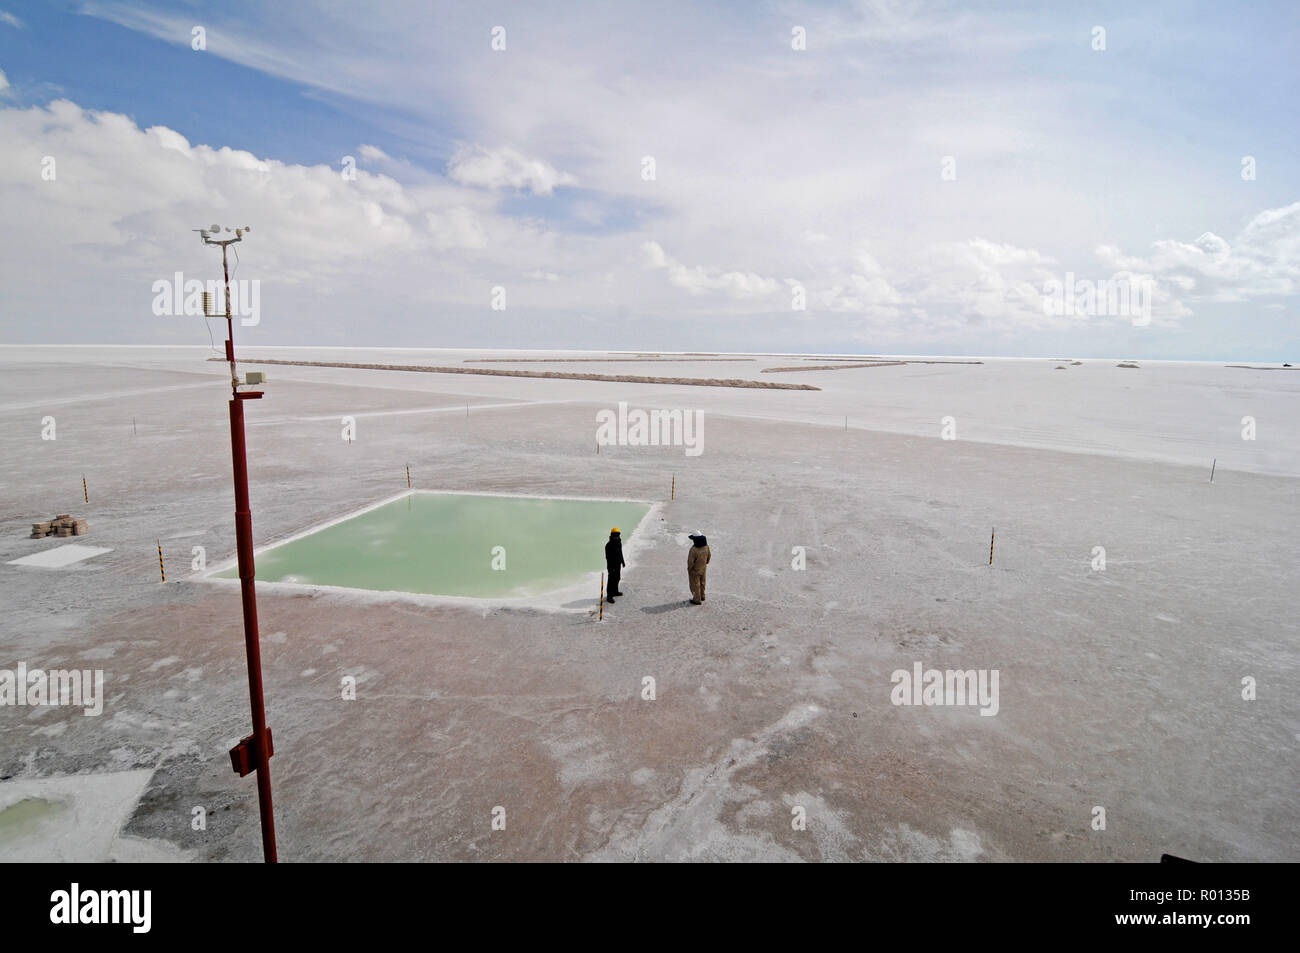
[(614, 530)]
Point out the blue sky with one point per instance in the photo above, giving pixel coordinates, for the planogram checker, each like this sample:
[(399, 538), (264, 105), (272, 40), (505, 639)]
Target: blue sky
[(917, 178), (103, 66)]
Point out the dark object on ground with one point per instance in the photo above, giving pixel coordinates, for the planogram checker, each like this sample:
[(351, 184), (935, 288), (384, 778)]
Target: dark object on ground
[(697, 566), (62, 525), (614, 562)]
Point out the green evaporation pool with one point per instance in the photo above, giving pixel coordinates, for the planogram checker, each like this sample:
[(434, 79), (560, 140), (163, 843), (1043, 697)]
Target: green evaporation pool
[(442, 544), (26, 816)]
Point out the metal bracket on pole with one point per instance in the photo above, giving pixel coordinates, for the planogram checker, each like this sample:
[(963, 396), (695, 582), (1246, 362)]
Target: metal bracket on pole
[(243, 756)]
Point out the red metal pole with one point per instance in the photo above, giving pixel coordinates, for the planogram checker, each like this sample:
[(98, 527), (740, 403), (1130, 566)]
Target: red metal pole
[(260, 740)]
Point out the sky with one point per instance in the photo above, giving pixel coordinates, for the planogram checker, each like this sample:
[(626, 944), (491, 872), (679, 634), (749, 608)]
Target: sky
[(862, 177)]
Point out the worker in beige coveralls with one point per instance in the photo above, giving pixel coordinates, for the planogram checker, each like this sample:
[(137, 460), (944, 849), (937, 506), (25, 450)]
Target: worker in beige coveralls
[(697, 566)]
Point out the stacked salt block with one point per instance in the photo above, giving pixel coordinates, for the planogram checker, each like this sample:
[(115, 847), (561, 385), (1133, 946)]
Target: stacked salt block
[(62, 525)]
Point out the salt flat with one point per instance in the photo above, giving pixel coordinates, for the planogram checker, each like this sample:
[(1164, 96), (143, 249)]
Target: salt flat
[(1121, 688)]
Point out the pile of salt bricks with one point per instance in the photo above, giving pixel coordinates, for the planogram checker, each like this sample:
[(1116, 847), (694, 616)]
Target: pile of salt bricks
[(61, 525)]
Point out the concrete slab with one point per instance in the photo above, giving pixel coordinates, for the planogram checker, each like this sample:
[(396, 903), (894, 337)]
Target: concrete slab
[(60, 556)]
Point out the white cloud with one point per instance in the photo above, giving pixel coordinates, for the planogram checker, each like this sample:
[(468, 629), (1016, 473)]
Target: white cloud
[(1263, 260), (505, 168), (457, 227), (991, 285), (1003, 288), (4, 81), (858, 286), (654, 255), (9, 18), (373, 154), (698, 280), (120, 210), (119, 214)]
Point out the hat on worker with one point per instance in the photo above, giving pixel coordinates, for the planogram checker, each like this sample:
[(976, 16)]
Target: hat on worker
[(613, 531)]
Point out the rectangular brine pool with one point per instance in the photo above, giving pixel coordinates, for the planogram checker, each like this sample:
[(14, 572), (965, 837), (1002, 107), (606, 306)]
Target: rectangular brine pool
[(455, 544)]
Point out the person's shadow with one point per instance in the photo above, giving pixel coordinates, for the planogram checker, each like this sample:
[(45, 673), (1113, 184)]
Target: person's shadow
[(666, 607)]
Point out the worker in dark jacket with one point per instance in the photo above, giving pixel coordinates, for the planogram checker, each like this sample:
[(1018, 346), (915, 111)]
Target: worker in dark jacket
[(614, 563), (697, 566)]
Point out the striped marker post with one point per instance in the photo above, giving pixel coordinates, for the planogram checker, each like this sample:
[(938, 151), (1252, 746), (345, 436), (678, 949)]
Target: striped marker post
[(601, 617), (408, 476), (992, 535), (161, 571), (1212, 466), (672, 495), (84, 492)]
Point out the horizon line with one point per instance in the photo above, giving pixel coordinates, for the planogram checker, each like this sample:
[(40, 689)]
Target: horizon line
[(621, 351)]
